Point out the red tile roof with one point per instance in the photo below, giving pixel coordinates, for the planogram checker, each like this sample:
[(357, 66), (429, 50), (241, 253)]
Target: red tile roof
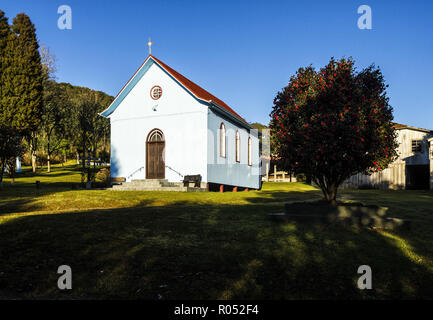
[(198, 91), (403, 126), (399, 126)]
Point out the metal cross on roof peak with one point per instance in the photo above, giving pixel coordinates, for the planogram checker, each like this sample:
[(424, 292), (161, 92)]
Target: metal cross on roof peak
[(149, 44)]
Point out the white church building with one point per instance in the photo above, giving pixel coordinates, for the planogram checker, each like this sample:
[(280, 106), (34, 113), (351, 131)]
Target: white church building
[(164, 126)]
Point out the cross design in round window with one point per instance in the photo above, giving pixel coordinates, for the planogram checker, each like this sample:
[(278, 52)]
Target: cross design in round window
[(156, 92)]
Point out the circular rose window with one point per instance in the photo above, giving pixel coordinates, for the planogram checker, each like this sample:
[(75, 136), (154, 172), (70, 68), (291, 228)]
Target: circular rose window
[(156, 92)]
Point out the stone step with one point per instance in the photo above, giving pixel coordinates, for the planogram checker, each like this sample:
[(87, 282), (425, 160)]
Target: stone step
[(149, 181), (153, 182), (141, 188), (155, 185), (138, 185), (172, 184), (135, 188)]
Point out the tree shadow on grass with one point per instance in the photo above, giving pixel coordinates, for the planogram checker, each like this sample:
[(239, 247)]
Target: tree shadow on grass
[(24, 197), (200, 252), (289, 195), (52, 174), (416, 206)]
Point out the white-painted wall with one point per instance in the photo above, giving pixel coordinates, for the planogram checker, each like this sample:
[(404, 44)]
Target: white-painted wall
[(404, 139), (226, 170), (395, 176)]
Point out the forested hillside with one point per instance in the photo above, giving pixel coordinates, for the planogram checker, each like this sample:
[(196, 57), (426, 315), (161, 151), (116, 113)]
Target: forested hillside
[(43, 121)]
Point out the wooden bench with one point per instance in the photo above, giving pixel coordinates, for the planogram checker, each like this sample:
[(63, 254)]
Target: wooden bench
[(196, 179)]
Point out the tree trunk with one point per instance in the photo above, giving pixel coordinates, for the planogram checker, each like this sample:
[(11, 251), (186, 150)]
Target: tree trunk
[(331, 194), (48, 163), (84, 157), (48, 156), (33, 152), (88, 166), (83, 162), (32, 143), (33, 161), (2, 170), (11, 169)]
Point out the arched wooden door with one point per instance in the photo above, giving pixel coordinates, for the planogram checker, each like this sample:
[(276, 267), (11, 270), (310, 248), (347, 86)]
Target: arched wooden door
[(155, 147)]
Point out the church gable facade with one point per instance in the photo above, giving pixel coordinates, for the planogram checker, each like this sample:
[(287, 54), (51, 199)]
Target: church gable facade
[(164, 126)]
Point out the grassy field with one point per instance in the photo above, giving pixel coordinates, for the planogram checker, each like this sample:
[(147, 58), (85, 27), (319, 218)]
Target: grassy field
[(162, 245)]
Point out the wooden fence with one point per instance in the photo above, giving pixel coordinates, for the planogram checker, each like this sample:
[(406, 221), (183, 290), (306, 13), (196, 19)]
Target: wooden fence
[(277, 176), (394, 177)]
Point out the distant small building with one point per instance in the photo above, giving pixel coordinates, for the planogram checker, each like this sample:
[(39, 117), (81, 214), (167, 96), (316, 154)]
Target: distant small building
[(413, 169)]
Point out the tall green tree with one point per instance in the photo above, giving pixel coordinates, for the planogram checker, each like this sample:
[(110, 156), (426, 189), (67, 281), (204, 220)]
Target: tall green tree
[(334, 123), (23, 107), (4, 29), (53, 128), (5, 34), (97, 128), (23, 99), (84, 117), (54, 125), (100, 126), (90, 131), (10, 140)]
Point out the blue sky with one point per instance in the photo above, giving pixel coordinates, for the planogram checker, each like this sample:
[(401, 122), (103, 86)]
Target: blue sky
[(242, 51)]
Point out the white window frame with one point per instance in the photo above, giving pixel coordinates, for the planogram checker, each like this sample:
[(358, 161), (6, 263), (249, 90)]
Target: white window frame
[(238, 146), (250, 163), (222, 133)]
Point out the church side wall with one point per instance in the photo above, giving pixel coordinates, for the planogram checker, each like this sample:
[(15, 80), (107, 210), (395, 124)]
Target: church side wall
[(181, 118), (226, 170)]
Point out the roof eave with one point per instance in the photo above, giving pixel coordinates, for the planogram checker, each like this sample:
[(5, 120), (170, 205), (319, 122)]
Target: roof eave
[(230, 115), (107, 112), (415, 129)]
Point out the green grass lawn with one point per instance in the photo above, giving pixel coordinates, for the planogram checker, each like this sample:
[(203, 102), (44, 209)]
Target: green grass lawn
[(141, 245)]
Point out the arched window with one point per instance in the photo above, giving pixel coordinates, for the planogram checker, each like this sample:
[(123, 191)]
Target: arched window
[(156, 136), (249, 152), (238, 148), (222, 140)]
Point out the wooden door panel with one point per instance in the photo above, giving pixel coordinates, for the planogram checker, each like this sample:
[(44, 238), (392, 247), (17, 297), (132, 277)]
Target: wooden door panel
[(155, 160), (160, 162)]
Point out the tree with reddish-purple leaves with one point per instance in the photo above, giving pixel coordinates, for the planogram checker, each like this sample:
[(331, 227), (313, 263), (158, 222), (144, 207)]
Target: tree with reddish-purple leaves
[(334, 123)]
